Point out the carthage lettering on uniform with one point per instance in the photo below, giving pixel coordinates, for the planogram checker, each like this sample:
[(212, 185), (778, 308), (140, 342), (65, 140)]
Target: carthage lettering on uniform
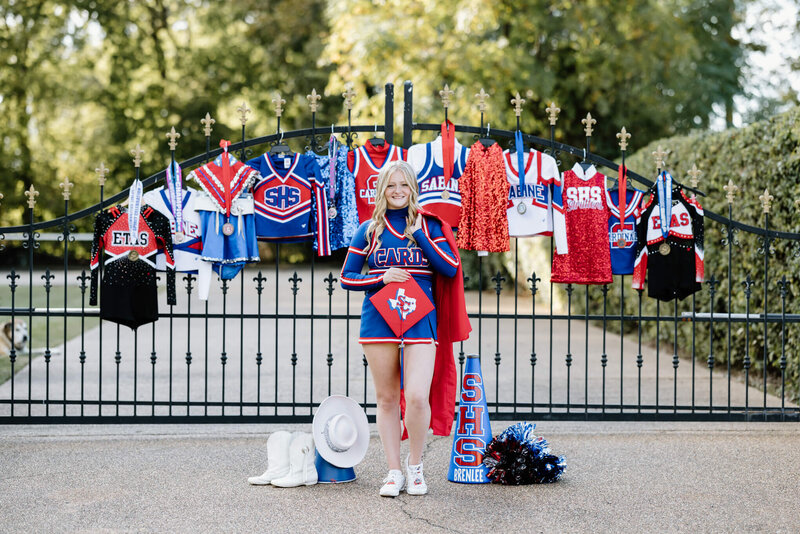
[(584, 197), (390, 257)]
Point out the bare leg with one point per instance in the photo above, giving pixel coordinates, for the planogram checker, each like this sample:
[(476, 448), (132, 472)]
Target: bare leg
[(384, 364), (419, 362)]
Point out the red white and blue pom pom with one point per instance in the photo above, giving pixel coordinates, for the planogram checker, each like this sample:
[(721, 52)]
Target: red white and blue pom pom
[(517, 456)]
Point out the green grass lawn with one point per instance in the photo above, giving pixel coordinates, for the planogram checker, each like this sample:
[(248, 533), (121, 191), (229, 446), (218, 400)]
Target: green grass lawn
[(38, 327)]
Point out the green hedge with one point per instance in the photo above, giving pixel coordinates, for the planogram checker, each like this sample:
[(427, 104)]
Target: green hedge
[(762, 155)]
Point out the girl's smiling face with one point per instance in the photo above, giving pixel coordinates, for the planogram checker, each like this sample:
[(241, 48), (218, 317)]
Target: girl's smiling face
[(397, 191)]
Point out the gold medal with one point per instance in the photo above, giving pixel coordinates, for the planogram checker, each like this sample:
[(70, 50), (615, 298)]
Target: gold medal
[(445, 194), (521, 208), (179, 237), (664, 249), (227, 229), (133, 255), (621, 243), (331, 212)]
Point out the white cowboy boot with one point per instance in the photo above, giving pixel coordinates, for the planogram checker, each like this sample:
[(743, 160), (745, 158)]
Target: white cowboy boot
[(302, 471), (277, 458)]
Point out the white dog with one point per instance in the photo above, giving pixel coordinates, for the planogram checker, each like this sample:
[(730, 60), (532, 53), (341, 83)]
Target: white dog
[(20, 334)]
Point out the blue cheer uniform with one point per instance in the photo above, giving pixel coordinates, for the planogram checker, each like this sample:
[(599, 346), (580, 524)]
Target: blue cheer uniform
[(431, 254)]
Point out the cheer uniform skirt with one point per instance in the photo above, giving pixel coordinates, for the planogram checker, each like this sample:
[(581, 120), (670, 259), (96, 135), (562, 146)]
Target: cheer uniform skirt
[(374, 328)]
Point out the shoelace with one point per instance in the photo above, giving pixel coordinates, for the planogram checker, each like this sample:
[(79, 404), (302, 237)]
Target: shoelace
[(416, 472), (391, 479)]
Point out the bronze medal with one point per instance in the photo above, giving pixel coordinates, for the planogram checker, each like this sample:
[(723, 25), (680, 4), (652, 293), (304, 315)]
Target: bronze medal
[(664, 249), (133, 255), (179, 237), (331, 212), (621, 243), (445, 194), (521, 208), (227, 229)]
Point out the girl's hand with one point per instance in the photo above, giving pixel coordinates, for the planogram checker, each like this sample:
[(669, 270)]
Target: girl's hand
[(417, 224), (395, 274)]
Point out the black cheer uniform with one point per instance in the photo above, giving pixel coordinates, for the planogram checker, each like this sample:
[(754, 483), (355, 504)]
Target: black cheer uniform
[(129, 294)]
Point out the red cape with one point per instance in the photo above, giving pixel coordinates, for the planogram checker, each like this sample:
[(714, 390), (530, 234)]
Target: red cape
[(452, 325)]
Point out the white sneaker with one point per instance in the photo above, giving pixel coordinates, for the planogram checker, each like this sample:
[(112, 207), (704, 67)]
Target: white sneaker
[(393, 484), (416, 480)]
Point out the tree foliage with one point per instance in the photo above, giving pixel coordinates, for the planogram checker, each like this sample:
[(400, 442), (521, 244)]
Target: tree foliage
[(86, 80)]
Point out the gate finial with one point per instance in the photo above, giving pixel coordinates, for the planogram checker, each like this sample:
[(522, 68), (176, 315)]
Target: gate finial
[(588, 122), (313, 100), (207, 122), (482, 96), (694, 172), (137, 155), (659, 156), (446, 93), (348, 95), (279, 102), (66, 186), (101, 174), (243, 111), (173, 136), (552, 113), (517, 101), (731, 190), (623, 137), (766, 200), (31, 194)]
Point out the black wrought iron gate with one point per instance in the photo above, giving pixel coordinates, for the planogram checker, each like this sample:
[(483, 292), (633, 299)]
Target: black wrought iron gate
[(271, 344)]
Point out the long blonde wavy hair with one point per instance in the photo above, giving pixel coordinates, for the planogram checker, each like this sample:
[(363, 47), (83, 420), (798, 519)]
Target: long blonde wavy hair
[(378, 223)]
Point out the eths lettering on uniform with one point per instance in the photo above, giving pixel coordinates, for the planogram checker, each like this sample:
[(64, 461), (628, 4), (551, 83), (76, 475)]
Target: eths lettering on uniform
[(677, 219), (124, 239)]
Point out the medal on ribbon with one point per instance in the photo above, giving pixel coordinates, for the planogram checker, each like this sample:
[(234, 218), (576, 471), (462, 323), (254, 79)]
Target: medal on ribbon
[(174, 186), (134, 211), (519, 146), (227, 228), (333, 154), (664, 190)]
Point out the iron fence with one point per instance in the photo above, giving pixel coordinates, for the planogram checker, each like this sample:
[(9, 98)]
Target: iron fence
[(271, 344)]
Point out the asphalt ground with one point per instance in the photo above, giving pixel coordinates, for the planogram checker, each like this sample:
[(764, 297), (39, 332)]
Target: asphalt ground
[(620, 477)]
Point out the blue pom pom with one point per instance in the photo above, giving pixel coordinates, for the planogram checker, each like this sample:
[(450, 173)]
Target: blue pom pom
[(519, 456)]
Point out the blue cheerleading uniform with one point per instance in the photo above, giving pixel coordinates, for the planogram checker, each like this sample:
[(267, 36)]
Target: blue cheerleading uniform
[(431, 255)]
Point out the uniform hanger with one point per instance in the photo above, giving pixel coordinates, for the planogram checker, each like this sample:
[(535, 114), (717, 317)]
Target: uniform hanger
[(281, 148), (375, 140), (585, 165), (487, 141)]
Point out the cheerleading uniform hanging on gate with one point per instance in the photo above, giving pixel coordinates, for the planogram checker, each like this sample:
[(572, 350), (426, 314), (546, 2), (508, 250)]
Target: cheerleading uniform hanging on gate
[(484, 197), (130, 238), (226, 218), (341, 187), (365, 163), (670, 248), (439, 165), (622, 229), (530, 199), (290, 201), (580, 228), (183, 219)]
